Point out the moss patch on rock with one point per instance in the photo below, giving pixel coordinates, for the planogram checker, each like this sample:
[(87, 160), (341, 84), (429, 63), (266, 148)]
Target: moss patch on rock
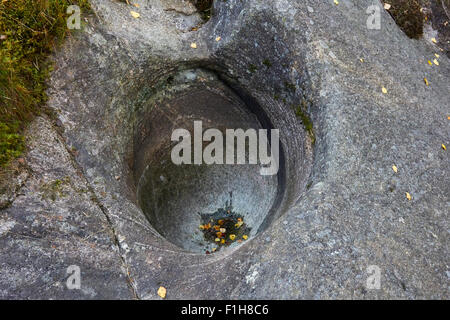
[(29, 30), (301, 112)]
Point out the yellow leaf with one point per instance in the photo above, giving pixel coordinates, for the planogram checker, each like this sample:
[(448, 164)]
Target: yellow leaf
[(222, 241), (444, 147), (425, 80), (384, 90), (214, 249), (162, 292), (429, 62), (136, 5), (232, 236), (448, 117), (408, 196), (135, 14), (394, 167), (387, 6), (217, 239), (362, 60), (437, 56), (336, 2), (218, 38), (433, 40), (202, 227), (436, 62), (193, 45), (245, 237)]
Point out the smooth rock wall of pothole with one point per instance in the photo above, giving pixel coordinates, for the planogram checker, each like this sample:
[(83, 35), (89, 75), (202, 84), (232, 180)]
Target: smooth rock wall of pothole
[(174, 197), (344, 208)]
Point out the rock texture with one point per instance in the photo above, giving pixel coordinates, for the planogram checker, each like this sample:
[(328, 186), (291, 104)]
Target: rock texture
[(78, 206)]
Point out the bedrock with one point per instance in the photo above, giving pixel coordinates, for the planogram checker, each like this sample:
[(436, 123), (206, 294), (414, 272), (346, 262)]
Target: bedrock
[(336, 207)]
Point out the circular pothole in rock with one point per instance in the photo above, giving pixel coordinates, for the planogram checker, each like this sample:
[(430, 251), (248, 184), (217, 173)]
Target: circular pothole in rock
[(202, 208)]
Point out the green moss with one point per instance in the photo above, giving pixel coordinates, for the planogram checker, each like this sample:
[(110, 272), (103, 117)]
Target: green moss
[(300, 112), (11, 143), (29, 30), (54, 189), (252, 68), (267, 63), (290, 86)]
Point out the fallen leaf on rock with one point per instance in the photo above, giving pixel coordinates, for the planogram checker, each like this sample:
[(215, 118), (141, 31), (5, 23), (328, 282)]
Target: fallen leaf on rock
[(429, 62), (436, 62), (433, 40), (336, 2), (135, 14), (162, 292), (384, 90), (394, 168), (193, 45), (408, 196), (232, 237), (245, 237), (444, 147), (436, 55), (425, 80), (218, 38), (387, 6)]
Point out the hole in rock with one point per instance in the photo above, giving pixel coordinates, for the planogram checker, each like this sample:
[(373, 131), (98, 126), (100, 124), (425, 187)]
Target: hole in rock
[(202, 208)]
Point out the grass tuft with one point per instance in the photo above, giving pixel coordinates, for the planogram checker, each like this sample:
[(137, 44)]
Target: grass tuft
[(29, 31)]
